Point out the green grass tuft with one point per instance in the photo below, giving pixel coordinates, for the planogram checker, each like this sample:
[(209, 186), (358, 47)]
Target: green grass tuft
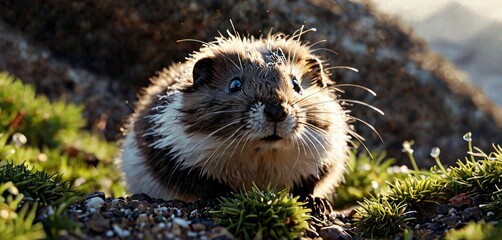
[(479, 231), (387, 213), (263, 214)]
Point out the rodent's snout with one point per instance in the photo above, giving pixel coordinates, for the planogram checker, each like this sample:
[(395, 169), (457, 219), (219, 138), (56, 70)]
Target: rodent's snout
[(274, 112)]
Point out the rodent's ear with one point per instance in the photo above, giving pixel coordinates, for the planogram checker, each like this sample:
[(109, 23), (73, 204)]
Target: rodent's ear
[(202, 72), (316, 72)]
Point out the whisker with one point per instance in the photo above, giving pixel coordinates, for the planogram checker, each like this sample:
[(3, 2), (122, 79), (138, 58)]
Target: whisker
[(193, 40), (361, 103), (368, 125), (361, 141), (343, 67), (224, 150), (356, 86), (325, 49), (304, 98), (218, 112), (211, 134), (316, 128), (317, 140)]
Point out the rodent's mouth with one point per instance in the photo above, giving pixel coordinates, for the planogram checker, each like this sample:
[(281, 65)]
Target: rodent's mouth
[(272, 138)]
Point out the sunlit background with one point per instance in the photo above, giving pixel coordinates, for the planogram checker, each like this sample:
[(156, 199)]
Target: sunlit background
[(468, 32)]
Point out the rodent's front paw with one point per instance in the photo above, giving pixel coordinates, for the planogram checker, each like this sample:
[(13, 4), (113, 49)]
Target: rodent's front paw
[(321, 207)]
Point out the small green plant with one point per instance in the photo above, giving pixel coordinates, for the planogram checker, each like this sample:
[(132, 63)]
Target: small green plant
[(365, 177), (480, 174), (379, 218), (30, 190), (475, 230), (263, 214), (48, 136), (37, 185), (15, 223)]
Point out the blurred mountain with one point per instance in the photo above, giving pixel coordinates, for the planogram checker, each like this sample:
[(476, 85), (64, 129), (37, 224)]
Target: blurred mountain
[(454, 23), (471, 41)]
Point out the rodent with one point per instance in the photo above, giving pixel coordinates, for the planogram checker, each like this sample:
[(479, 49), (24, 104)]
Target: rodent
[(238, 111)]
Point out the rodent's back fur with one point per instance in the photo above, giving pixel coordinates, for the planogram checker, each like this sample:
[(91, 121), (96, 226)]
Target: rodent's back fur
[(239, 111)]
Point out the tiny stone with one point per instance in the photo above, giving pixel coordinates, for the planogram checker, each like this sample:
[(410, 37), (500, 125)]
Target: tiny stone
[(443, 209), (181, 222), (96, 194), (461, 200), (143, 217), (160, 219), (220, 233), (160, 210), (198, 227), (94, 203), (478, 200), (161, 225), (121, 233), (450, 221), (176, 230), (472, 213), (117, 203), (141, 197), (334, 232), (490, 216), (97, 223)]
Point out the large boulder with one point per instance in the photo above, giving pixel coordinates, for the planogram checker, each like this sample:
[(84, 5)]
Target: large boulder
[(123, 43)]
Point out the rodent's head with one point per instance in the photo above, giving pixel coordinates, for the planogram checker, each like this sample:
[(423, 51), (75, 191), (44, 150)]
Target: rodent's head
[(269, 93)]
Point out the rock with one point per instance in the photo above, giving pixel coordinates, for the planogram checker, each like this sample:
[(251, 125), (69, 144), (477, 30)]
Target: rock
[(472, 213), (334, 232), (96, 194), (141, 197), (461, 200), (98, 223), (94, 203), (442, 209), (220, 233), (102, 52), (198, 227), (450, 221)]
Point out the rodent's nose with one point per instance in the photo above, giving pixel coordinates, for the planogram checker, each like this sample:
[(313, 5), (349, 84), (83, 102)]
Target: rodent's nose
[(274, 112)]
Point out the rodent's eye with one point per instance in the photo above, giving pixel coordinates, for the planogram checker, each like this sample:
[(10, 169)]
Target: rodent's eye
[(296, 85), (235, 85)]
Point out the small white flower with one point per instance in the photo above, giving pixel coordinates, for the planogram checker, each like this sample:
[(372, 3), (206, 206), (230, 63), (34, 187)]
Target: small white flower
[(407, 146), (19, 139), (468, 137), (435, 152)]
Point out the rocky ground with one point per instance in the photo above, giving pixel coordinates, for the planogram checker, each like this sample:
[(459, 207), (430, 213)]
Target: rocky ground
[(142, 217)]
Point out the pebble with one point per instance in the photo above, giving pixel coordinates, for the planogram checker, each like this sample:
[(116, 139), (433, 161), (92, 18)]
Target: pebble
[(472, 213), (97, 223), (120, 232), (94, 203), (141, 197), (181, 222), (443, 209), (461, 200), (96, 194), (198, 227), (334, 232)]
